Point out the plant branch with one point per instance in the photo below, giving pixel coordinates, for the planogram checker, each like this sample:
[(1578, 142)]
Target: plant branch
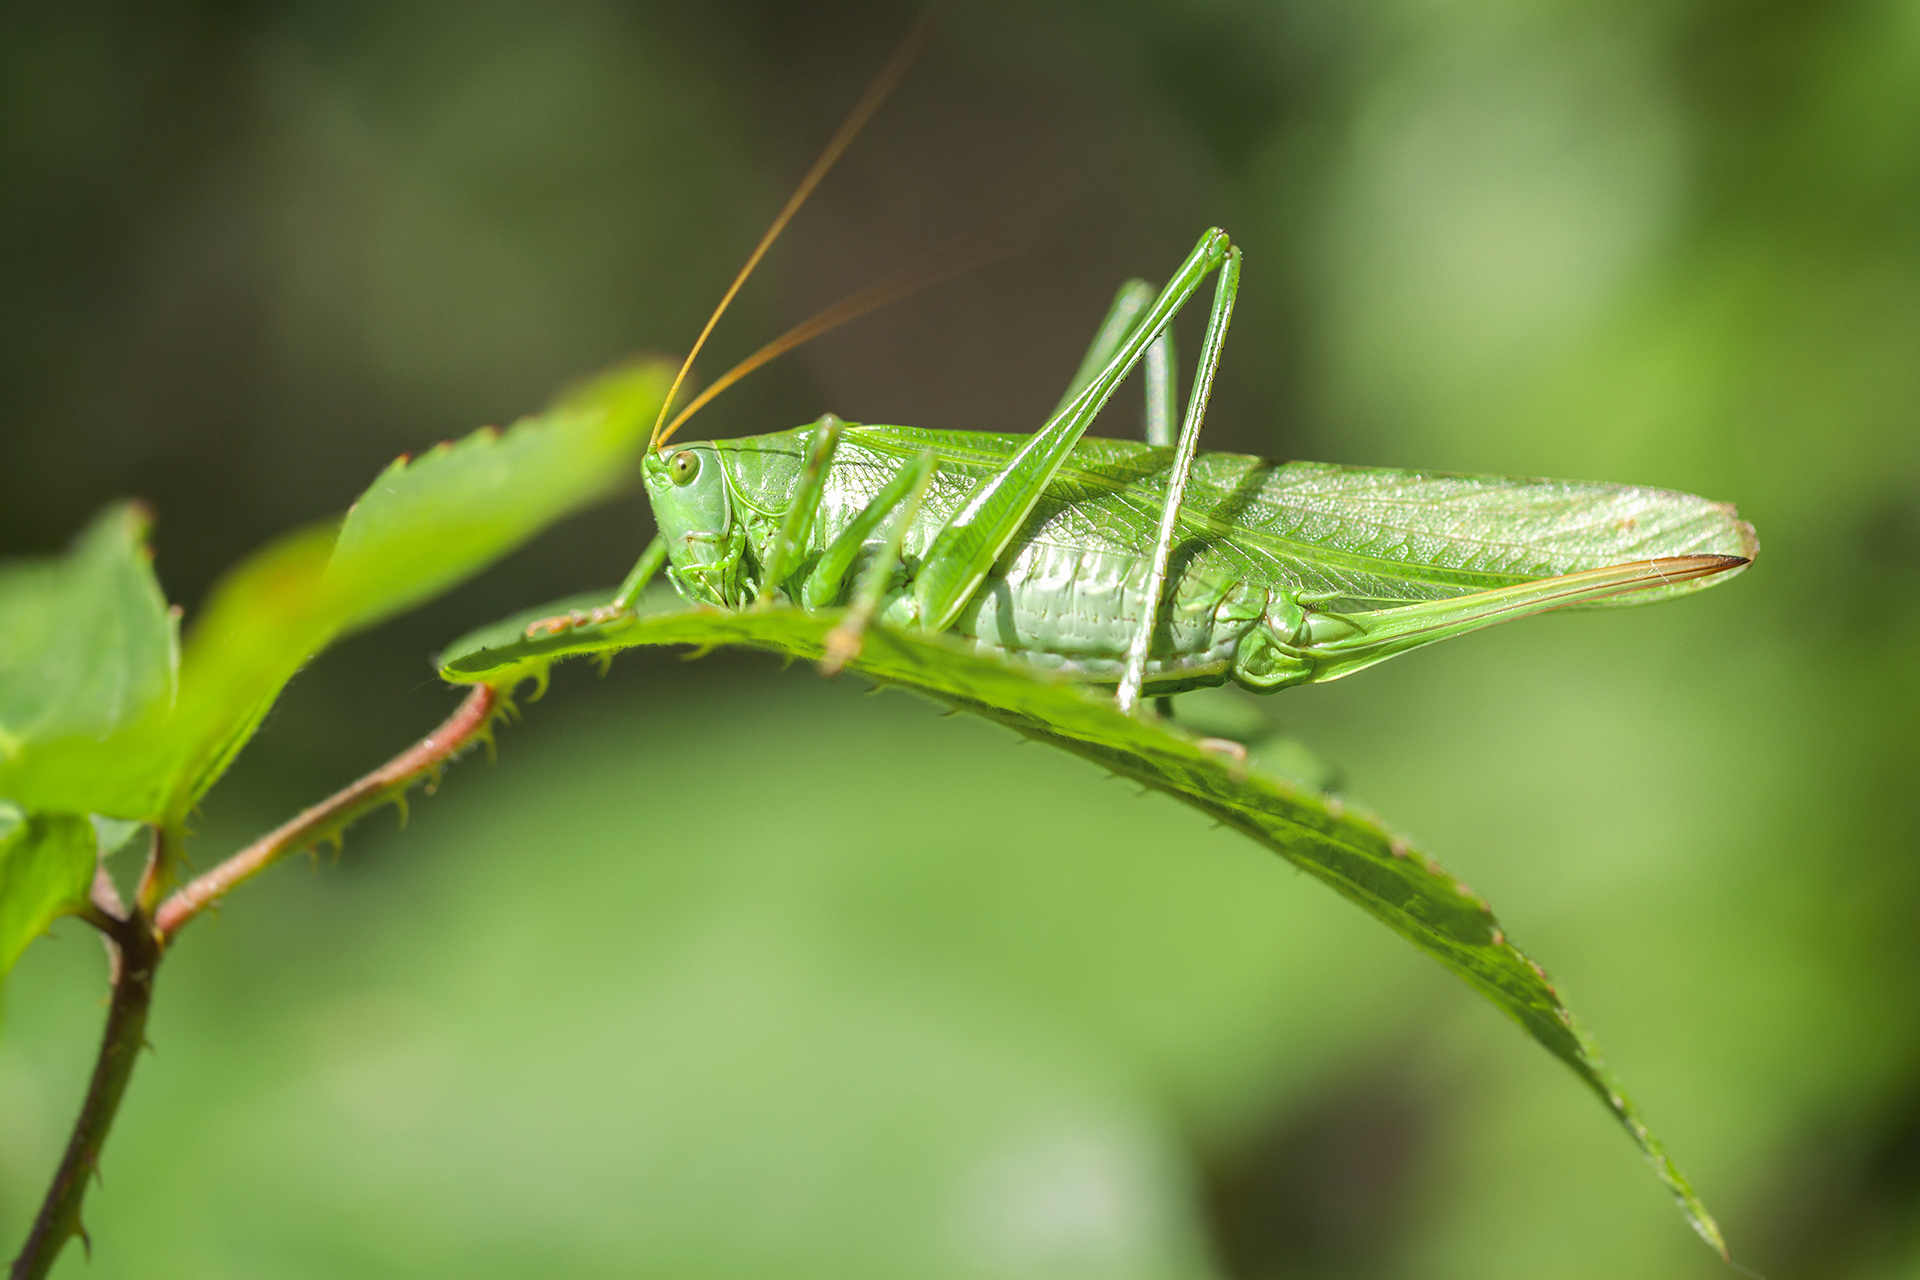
[(104, 899), (136, 944), (163, 855), (136, 955), (388, 783)]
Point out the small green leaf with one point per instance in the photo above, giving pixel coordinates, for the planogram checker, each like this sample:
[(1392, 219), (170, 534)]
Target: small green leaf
[(86, 641), (1348, 849), (429, 523), (265, 621), (424, 526), (259, 628), (46, 868)]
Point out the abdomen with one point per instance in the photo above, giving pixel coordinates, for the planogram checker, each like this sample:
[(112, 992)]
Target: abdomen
[(1074, 610)]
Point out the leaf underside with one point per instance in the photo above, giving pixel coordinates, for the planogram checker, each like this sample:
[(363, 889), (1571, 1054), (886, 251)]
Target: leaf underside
[(1347, 848), (86, 642), (46, 869)]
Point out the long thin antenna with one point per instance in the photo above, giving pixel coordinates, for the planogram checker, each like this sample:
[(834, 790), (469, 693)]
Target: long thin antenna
[(963, 255), (883, 84)]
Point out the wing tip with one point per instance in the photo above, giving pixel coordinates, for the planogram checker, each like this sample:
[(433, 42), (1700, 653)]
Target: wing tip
[(1744, 536), (1673, 571)]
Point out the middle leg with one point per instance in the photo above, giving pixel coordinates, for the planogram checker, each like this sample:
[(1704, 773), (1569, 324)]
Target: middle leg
[(902, 499), (791, 538)]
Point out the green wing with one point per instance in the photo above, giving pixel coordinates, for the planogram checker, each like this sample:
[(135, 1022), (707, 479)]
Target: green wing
[(1363, 538)]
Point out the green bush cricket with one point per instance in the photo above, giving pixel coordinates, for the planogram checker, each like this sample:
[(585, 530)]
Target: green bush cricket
[(1146, 565)]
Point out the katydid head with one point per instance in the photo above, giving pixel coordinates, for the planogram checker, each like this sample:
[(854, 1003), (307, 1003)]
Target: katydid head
[(688, 490)]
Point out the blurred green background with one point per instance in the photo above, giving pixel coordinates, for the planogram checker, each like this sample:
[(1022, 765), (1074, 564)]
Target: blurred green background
[(729, 971)]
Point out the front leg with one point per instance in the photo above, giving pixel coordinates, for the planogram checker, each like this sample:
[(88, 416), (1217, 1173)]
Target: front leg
[(623, 600), (642, 573)]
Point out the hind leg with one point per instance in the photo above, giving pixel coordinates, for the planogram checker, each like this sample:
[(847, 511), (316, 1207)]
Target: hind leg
[(1158, 366), (1221, 317)]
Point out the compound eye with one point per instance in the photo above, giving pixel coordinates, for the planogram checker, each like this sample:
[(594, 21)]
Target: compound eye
[(683, 466)]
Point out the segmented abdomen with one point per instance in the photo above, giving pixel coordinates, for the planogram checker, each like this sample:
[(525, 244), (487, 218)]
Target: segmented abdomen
[(1075, 610)]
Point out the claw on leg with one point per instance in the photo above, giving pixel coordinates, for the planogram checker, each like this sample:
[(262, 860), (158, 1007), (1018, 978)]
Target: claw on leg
[(1235, 752), (555, 625), (574, 618), (844, 643)]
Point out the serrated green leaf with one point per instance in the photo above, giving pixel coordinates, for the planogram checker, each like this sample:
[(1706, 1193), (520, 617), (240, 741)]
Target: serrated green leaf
[(86, 640), (46, 869), (430, 522), (424, 526), (1345, 847), (265, 621)]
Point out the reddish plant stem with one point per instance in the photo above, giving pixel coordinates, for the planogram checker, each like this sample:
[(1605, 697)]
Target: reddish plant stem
[(387, 783), (136, 956), (137, 942), (161, 858)]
